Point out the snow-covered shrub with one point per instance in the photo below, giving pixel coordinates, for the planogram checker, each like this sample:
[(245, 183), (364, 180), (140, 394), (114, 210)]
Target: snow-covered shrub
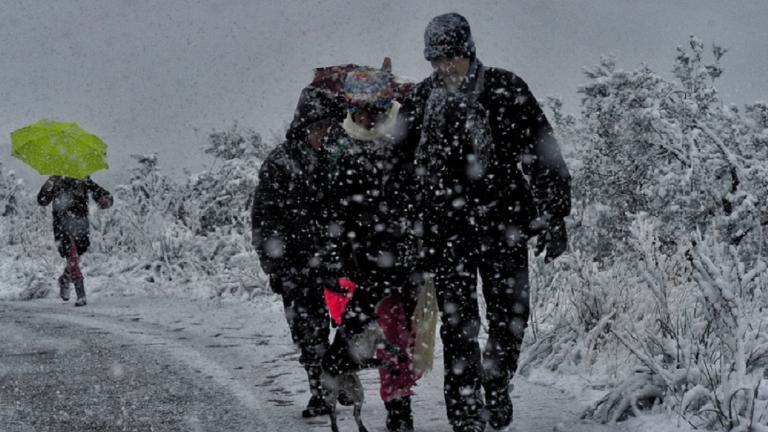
[(236, 143), (13, 206), (9, 189), (223, 196), (26, 240), (223, 193), (670, 197), (188, 233)]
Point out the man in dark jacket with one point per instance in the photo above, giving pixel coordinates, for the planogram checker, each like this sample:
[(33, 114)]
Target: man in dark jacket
[(69, 198), (289, 227), (490, 176)]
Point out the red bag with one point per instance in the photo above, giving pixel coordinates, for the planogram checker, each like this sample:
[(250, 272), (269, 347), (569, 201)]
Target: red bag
[(337, 301)]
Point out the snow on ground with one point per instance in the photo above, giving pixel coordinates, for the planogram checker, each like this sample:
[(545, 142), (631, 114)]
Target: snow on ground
[(246, 348)]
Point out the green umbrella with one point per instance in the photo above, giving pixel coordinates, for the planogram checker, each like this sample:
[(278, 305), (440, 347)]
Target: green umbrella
[(58, 148)]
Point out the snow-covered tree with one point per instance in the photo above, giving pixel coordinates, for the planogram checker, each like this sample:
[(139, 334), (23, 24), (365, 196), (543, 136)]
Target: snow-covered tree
[(223, 193), (670, 191)]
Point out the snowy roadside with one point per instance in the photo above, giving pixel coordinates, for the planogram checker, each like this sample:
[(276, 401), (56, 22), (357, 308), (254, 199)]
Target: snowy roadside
[(245, 348)]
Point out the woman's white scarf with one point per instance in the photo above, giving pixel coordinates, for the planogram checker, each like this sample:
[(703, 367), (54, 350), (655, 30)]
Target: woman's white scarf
[(383, 130)]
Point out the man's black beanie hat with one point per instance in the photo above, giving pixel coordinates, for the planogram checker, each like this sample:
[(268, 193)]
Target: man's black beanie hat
[(449, 36)]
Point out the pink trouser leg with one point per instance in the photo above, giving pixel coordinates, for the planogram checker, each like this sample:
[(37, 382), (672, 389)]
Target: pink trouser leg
[(393, 322), (73, 263)]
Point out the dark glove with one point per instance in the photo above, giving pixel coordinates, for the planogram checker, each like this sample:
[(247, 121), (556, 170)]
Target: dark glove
[(553, 239)]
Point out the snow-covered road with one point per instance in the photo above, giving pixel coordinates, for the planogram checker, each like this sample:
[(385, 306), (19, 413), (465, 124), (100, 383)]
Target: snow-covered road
[(162, 364)]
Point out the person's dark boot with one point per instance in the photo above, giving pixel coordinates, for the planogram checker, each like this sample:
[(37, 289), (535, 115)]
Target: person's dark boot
[(470, 426), (64, 282), (316, 405), (399, 415), (499, 407), (80, 292)]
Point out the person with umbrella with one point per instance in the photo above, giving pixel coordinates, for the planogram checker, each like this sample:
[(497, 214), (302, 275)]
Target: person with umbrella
[(69, 199), (68, 154)]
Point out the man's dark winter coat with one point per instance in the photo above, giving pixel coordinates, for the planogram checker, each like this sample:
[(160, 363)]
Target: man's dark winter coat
[(523, 146), (69, 199)]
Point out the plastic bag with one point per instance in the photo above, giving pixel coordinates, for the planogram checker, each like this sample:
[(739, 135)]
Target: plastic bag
[(425, 324)]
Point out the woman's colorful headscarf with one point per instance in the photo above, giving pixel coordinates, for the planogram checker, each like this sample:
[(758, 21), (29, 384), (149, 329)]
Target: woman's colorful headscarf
[(369, 87)]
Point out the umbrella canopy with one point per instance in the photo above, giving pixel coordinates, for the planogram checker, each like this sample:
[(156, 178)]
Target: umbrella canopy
[(59, 148)]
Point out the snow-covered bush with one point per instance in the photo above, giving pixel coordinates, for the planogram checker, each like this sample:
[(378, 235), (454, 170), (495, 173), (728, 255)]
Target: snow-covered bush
[(223, 196), (236, 143), (192, 232), (669, 249), (24, 230), (14, 207), (9, 189)]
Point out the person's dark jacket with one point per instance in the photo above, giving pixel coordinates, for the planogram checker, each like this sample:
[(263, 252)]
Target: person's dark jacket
[(526, 177), (288, 213), (69, 201), (372, 198)]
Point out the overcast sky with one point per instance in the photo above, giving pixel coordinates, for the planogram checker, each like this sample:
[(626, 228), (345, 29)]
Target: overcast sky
[(160, 75)]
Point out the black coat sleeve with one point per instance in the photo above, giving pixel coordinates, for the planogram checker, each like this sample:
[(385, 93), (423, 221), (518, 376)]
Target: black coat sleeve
[(98, 193), (267, 217), (47, 192), (542, 161), (412, 113)]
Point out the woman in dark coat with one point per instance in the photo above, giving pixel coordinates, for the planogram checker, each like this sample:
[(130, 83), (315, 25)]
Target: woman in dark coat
[(69, 199), (370, 199)]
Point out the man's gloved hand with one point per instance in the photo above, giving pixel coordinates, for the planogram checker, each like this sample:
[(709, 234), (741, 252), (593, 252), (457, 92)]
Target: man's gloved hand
[(553, 239)]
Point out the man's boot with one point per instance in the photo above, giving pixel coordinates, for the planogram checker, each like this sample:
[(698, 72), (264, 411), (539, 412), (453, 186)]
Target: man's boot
[(499, 407), (64, 281), (80, 291), (316, 405), (399, 415)]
